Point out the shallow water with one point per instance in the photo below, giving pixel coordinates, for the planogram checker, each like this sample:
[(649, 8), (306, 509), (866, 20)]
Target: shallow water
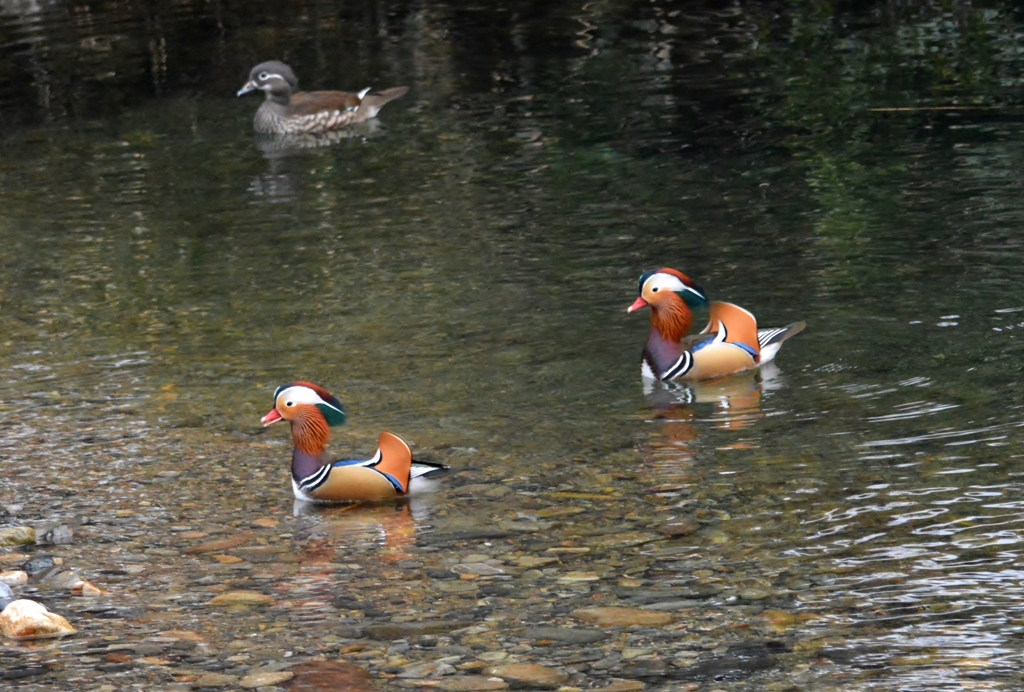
[(460, 275)]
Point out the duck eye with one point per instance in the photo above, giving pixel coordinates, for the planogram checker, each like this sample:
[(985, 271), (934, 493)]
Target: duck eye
[(264, 76), (289, 403), (655, 289)]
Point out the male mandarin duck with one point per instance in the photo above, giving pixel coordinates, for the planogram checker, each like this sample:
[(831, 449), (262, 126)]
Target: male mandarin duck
[(312, 412), (288, 111), (730, 343)]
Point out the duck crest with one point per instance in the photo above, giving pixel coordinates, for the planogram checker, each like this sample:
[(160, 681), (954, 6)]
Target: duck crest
[(332, 410)]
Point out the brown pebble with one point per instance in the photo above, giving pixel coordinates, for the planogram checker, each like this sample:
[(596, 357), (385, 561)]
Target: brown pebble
[(86, 589), (528, 675), (231, 598), (622, 617), (472, 683), (330, 675), (227, 559), (219, 545), (215, 680)]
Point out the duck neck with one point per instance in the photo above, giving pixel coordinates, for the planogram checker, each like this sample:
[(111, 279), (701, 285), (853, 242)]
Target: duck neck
[(671, 320), (310, 434), (281, 96), (669, 323)]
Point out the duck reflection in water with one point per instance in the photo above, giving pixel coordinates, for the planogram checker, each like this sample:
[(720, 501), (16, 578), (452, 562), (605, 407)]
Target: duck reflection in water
[(682, 408), (287, 156), (391, 526)]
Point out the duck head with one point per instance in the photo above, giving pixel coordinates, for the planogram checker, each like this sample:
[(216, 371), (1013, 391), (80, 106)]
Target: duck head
[(274, 78), (310, 410), (671, 295)]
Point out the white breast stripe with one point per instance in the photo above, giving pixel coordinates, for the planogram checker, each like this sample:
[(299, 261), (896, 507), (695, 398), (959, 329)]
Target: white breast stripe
[(681, 366), (314, 480)]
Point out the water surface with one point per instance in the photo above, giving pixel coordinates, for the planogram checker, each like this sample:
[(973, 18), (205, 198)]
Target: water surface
[(460, 276)]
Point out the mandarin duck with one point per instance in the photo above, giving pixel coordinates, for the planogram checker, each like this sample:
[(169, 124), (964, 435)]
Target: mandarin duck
[(730, 343), (288, 111), (312, 412)]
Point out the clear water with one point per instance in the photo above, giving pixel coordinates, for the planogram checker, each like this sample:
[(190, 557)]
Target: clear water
[(461, 277)]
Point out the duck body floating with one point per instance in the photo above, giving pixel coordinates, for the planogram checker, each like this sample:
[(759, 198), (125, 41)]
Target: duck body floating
[(288, 111), (312, 411), (730, 343)]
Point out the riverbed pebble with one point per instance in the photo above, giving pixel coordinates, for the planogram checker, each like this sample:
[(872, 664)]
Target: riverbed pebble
[(40, 564), (19, 535), (86, 589), (24, 619), (265, 679), (6, 595), (528, 675), (57, 535), (209, 680), (622, 617), (14, 577), (241, 598), (472, 683)]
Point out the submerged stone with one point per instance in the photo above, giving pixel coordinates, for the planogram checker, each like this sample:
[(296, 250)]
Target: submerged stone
[(472, 683), (315, 676), (215, 680), (678, 527), (38, 565), (622, 617), (219, 545), (408, 630), (230, 598), (58, 535), (86, 589), (19, 535), (265, 679), (528, 675), (14, 577), (564, 635), (24, 619), (623, 686)]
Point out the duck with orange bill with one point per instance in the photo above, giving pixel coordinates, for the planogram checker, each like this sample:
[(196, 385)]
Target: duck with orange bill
[(311, 412), (730, 343)]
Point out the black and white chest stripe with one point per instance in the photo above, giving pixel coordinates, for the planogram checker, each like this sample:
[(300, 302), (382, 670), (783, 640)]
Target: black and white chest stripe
[(680, 367)]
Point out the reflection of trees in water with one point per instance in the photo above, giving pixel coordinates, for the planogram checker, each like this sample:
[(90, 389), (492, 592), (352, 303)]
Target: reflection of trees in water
[(650, 103), (888, 111), (687, 67)]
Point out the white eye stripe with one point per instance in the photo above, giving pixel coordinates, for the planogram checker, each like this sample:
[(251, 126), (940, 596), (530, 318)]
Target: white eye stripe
[(265, 76), (672, 283), (300, 395)]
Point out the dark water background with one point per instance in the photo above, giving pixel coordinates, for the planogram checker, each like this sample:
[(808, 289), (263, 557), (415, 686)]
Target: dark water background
[(461, 277)]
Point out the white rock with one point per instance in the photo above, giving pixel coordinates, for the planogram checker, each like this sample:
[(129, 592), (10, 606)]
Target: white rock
[(14, 577), (25, 619)]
